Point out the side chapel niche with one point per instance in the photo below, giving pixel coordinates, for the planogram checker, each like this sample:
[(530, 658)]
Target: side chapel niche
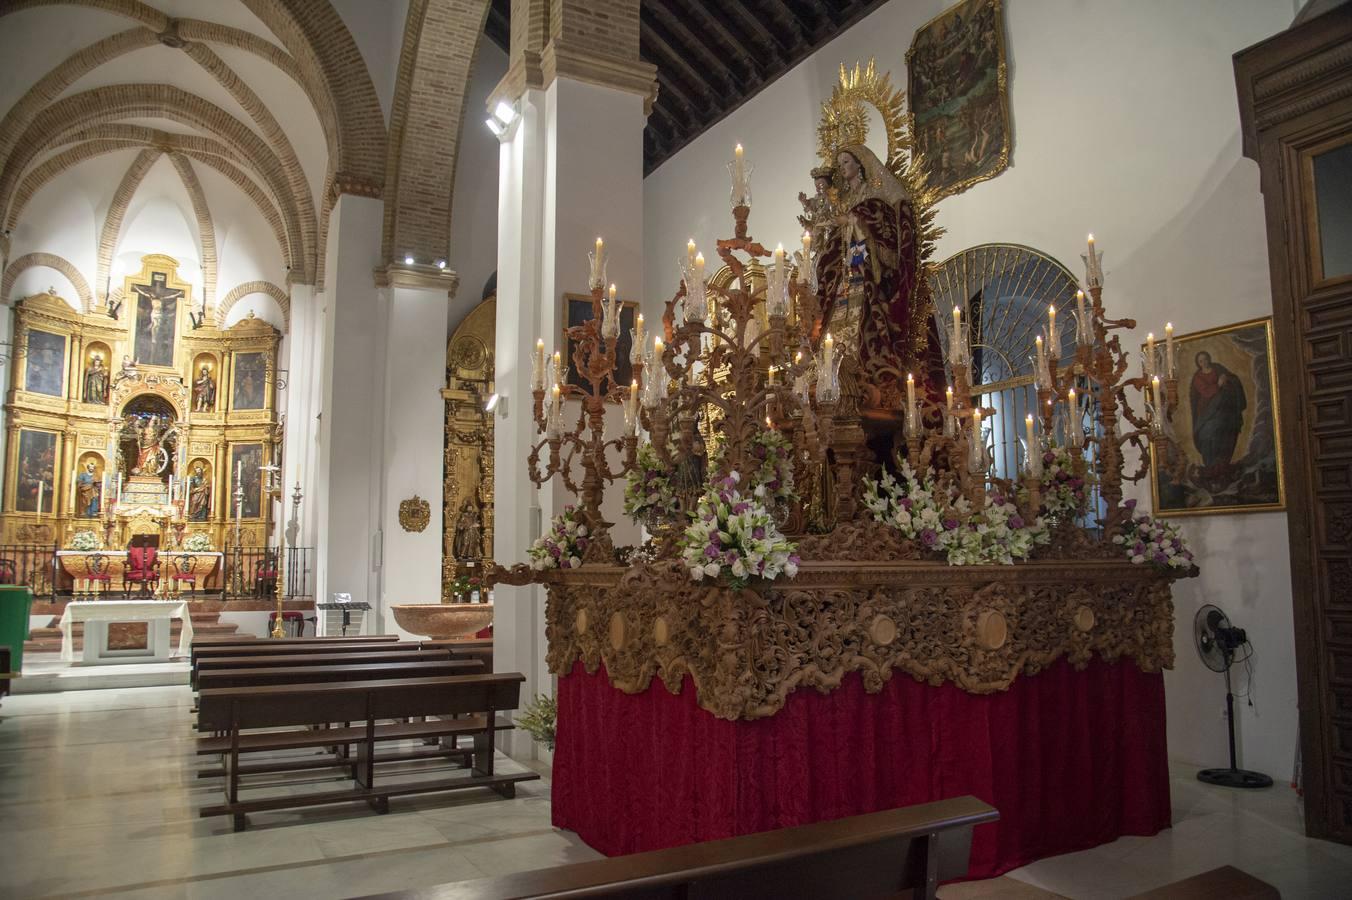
[(467, 490), (131, 421)]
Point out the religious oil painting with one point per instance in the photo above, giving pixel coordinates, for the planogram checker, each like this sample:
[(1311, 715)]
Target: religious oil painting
[(244, 462), (36, 471), (1224, 455), (250, 380), (579, 310), (960, 95), (44, 373), (156, 321)]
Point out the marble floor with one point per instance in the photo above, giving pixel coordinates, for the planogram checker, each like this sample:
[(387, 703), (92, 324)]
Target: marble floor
[(98, 798)]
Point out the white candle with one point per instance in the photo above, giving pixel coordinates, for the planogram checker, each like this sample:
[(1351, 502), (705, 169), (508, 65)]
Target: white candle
[(978, 452), (738, 173), (1085, 332), (1150, 354), (1055, 347), (1032, 447), (632, 418), (807, 245), (658, 349), (41, 487), (537, 377), (828, 349), (1041, 363), (1169, 349), (690, 253), (910, 404), (699, 267), (638, 332)]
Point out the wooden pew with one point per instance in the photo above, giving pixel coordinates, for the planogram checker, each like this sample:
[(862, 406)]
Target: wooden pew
[(462, 648), (239, 712), (223, 640), (300, 645), (277, 660), (890, 854)]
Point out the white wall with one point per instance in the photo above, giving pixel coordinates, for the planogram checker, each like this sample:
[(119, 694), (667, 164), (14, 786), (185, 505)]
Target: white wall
[(1125, 124)]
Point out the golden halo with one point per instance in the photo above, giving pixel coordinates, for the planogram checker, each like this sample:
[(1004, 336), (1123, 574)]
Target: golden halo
[(844, 119)]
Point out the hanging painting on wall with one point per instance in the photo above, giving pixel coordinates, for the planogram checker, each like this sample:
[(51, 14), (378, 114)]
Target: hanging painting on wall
[(959, 95), (46, 365), (36, 474), (156, 320), (578, 309), (250, 377), (244, 462), (1224, 456)]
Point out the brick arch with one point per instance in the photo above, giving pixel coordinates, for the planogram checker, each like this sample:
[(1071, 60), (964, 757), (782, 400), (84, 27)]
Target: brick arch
[(330, 67), (51, 261), (206, 231), (441, 40), (240, 291), (117, 211), (114, 102)]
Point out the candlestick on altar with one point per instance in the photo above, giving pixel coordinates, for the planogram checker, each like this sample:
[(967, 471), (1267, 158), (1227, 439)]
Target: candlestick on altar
[(597, 277), (741, 178), (537, 375)]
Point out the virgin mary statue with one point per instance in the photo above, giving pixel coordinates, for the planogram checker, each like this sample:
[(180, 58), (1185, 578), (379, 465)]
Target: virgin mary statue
[(871, 292)]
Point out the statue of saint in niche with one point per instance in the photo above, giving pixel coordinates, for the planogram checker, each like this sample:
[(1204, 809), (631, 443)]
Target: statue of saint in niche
[(87, 492), (204, 391), (468, 542), (96, 380), (150, 454), (156, 321), (199, 495)]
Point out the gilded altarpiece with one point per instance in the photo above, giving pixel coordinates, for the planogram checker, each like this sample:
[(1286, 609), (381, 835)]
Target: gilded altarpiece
[(125, 420), (467, 495)]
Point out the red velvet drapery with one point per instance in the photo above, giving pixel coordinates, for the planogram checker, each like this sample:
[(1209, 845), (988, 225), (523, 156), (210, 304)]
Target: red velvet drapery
[(1070, 759)]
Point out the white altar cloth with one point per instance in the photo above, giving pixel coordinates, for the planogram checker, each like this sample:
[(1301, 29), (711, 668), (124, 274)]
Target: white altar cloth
[(123, 611)]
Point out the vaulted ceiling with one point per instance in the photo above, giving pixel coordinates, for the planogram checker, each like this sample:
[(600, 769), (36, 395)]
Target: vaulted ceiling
[(713, 55)]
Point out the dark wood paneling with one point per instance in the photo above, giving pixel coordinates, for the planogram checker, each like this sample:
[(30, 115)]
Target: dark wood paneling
[(1295, 98)]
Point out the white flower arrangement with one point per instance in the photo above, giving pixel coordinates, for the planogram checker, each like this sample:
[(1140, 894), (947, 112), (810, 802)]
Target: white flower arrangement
[(734, 535), (772, 479), (1065, 494), (84, 540), (996, 535), (1146, 539), (563, 545), (940, 520), (197, 543), (648, 489)]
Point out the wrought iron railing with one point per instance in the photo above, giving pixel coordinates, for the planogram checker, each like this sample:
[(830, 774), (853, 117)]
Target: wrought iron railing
[(244, 574)]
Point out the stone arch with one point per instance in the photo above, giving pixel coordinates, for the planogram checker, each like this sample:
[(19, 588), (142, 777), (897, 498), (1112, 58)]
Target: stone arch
[(51, 261), (108, 104), (441, 40), (206, 231), (240, 291), (325, 61), (117, 210)]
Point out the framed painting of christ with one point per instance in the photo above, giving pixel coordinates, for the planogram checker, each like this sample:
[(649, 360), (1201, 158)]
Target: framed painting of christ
[(45, 363), (959, 95), (245, 460), (156, 321), (1223, 456)]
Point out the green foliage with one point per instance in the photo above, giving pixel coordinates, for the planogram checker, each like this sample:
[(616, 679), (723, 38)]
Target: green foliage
[(538, 719)]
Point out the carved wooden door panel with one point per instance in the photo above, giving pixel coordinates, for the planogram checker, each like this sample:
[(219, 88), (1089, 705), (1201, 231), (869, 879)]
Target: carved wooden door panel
[(1295, 93)]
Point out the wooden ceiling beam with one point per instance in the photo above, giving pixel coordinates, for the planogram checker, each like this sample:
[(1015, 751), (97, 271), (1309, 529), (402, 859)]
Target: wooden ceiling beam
[(694, 45), (663, 49), (772, 41), (736, 46)]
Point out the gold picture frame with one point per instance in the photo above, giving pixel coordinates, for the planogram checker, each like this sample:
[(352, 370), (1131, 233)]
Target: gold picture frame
[(577, 309), (951, 111), (145, 295), (1226, 426)]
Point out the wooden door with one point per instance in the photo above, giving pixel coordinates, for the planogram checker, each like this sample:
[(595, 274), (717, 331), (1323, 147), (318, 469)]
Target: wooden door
[(1295, 97)]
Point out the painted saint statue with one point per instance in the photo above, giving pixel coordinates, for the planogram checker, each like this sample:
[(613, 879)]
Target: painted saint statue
[(204, 391), (87, 492), (148, 448), (96, 380), (869, 273), (199, 496)]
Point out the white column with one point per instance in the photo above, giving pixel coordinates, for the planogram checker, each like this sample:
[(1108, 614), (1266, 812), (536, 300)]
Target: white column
[(415, 372), (350, 440), (572, 170)]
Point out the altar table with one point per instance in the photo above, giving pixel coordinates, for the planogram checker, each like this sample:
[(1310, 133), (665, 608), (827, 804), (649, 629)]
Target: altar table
[(98, 614), (81, 564)]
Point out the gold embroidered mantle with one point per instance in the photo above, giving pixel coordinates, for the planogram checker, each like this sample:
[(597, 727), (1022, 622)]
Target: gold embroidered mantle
[(746, 651)]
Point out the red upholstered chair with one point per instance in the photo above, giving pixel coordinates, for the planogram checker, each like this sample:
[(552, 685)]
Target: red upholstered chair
[(97, 573), (9, 572), (293, 622), (143, 570), (181, 570)]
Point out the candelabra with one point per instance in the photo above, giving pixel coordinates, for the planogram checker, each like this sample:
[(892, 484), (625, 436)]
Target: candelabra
[(237, 557), (277, 630)]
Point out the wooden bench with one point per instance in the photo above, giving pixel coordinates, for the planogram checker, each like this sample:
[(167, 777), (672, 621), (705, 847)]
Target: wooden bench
[(890, 854), (237, 713), (372, 654), (472, 648), (297, 645), (221, 640), (209, 679)]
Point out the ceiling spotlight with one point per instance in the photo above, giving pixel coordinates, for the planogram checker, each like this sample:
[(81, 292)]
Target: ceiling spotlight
[(408, 260), (504, 112), (503, 120), (441, 264)]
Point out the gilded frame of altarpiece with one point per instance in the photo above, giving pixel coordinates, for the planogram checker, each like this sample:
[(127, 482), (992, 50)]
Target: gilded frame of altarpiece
[(467, 476), (83, 415)]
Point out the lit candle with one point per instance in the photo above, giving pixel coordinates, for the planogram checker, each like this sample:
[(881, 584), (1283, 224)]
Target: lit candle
[(738, 172), (1084, 332), (537, 377), (1074, 426), (557, 374), (949, 393), (828, 349), (610, 323), (699, 267), (1055, 347), (978, 452), (957, 325), (638, 331), (658, 348), (1028, 426), (807, 245), (1150, 354), (598, 265), (1041, 363), (632, 419), (1169, 349), (1155, 389), (910, 398), (690, 253)]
